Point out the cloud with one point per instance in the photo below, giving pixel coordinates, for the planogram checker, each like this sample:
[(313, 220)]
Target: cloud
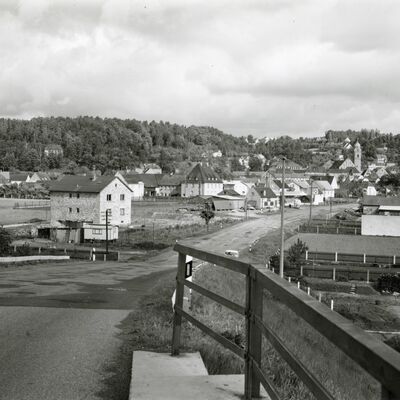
[(259, 67)]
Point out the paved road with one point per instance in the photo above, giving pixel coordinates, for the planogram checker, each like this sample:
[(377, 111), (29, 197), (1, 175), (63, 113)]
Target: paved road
[(59, 321)]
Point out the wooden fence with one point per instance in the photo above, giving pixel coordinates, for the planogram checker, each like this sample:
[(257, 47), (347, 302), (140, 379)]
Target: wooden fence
[(379, 360), (351, 257)]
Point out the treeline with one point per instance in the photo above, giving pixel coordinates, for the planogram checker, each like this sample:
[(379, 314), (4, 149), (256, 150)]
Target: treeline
[(108, 143), (113, 144)]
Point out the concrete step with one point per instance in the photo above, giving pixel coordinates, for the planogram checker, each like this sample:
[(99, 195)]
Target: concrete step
[(146, 364), (159, 376), (208, 387)]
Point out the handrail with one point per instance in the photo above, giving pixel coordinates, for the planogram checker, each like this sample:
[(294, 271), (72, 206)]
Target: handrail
[(378, 359)]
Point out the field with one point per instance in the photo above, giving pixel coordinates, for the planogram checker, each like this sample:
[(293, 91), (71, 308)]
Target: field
[(9, 215)]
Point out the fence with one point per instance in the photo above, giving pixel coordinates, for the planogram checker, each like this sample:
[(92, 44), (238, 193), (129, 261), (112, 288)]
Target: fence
[(368, 274), (351, 257), (74, 253), (375, 357)]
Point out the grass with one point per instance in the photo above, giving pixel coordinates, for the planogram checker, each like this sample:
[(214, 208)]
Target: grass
[(9, 215), (151, 329)]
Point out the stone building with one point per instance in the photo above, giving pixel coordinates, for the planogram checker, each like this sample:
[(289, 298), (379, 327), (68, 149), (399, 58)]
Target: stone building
[(75, 200)]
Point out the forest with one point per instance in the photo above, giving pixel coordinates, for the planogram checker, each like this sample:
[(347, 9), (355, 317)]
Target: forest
[(110, 144)]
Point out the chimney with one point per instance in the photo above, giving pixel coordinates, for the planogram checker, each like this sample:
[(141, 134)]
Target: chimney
[(94, 173)]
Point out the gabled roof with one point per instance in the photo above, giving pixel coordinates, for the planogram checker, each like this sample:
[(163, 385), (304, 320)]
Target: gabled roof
[(203, 174), (323, 178), (380, 201), (19, 176), (229, 192), (265, 192), (172, 180), (82, 184), (323, 185), (279, 184), (149, 180)]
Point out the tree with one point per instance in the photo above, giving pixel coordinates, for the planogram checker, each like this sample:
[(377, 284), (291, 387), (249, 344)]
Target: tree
[(5, 242), (255, 164), (207, 214), (295, 253)]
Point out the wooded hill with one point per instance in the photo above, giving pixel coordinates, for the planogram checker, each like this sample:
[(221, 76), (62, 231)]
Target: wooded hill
[(112, 144)]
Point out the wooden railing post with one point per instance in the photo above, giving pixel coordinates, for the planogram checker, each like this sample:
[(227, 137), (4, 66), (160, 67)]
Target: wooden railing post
[(254, 302), (180, 277)]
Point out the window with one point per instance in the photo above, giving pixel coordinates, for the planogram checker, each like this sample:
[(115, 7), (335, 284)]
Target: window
[(70, 195), (96, 231), (122, 197), (78, 195), (122, 211), (109, 197), (77, 210), (70, 209)]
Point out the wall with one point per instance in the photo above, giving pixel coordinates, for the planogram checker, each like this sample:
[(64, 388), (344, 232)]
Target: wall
[(137, 190), (115, 188), (88, 204), (32, 258), (380, 225)]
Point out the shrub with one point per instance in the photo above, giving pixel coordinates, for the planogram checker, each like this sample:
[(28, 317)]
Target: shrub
[(388, 283), (5, 242), (24, 250)]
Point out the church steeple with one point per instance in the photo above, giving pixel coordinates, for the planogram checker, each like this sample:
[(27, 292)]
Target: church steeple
[(357, 155)]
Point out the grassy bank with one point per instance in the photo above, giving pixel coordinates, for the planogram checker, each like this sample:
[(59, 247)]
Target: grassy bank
[(150, 328)]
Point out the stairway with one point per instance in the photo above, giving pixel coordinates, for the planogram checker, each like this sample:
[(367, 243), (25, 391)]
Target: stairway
[(157, 376), (353, 289)]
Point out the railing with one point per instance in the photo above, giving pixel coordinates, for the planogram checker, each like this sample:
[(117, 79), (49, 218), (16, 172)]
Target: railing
[(379, 360)]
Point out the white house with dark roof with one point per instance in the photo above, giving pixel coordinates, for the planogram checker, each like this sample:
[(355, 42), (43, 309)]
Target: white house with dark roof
[(201, 181), (77, 199), (262, 197)]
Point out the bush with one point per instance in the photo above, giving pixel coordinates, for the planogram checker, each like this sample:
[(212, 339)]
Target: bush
[(388, 283), (24, 250), (5, 242)]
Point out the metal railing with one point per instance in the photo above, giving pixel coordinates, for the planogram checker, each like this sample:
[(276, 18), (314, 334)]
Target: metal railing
[(378, 359)]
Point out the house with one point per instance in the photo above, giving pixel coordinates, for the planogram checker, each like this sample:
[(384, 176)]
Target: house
[(152, 169), (340, 164), (170, 185), (53, 150), (75, 200), (326, 189), (380, 216), (134, 183), (40, 177), (151, 183), (238, 186), (262, 197), (329, 178), (19, 177), (217, 154), (201, 181)]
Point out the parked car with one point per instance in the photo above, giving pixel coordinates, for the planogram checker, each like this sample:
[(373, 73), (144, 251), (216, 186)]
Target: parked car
[(232, 253)]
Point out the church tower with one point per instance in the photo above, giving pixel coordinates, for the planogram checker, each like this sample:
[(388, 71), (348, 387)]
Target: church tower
[(357, 155)]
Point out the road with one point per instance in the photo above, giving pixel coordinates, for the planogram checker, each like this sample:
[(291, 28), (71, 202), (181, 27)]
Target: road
[(59, 322)]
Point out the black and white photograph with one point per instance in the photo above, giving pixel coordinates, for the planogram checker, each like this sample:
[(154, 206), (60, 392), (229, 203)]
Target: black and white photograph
[(199, 200)]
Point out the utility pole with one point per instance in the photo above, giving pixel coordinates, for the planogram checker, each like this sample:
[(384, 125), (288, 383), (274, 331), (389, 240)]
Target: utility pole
[(282, 258), (311, 201), (107, 231)]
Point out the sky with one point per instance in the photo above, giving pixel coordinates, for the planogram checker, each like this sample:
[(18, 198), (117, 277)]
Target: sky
[(260, 67)]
